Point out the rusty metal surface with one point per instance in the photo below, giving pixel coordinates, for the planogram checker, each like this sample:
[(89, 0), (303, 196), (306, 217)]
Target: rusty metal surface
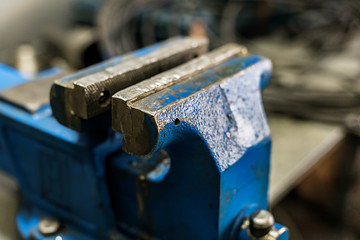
[(87, 94), (30, 96)]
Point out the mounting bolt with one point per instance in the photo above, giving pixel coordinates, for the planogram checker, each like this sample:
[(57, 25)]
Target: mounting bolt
[(261, 222), (48, 226)]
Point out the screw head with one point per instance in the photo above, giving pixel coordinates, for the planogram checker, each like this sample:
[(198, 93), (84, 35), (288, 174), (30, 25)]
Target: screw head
[(48, 226), (261, 222)]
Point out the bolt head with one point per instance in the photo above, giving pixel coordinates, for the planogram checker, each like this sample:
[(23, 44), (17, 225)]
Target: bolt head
[(261, 222), (48, 226)]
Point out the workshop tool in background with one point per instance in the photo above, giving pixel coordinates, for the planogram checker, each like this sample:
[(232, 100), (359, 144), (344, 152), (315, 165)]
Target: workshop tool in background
[(191, 160), (313, 44)]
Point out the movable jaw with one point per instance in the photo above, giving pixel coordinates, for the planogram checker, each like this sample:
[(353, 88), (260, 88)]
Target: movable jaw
[(210, 119), (220, 102), (79, 99), (137, 105)]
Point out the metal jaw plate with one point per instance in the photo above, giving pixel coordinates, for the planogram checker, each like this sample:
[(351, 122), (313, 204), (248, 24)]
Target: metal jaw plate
[(87, 94), (30, 96), (217, 96)]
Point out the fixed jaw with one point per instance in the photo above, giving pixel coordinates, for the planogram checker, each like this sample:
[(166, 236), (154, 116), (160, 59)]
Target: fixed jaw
[(87, 94)]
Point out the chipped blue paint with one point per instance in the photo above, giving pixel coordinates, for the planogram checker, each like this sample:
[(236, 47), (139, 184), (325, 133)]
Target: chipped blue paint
[(229, 114)]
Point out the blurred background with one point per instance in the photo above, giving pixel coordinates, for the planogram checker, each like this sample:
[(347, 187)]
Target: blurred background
[(312, 100)]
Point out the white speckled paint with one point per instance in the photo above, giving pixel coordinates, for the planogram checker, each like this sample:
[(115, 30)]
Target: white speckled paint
[(229, 115)]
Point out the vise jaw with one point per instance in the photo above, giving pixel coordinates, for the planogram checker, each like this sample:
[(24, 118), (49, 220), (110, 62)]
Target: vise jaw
[(208, 116), (78, 98), (171, 143)]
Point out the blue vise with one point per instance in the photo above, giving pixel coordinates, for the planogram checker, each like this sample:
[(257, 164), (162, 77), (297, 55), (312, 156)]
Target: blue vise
[(168, 142)]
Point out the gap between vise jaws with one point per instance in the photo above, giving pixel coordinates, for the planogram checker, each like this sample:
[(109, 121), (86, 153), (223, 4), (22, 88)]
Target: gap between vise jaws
[(87, 94)]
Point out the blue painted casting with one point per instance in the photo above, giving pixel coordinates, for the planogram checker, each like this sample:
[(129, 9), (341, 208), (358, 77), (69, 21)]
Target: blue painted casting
[(97, 191)]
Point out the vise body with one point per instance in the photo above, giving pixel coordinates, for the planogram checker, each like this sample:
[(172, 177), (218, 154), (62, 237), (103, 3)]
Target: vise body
[(168, 142)]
